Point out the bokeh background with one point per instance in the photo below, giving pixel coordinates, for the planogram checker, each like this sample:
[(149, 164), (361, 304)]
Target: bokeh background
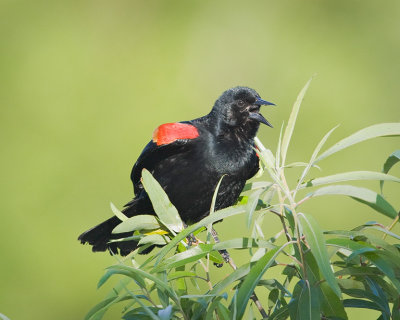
[(84, 83)]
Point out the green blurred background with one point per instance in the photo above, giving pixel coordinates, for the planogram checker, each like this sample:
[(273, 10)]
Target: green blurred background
[(84, 83)]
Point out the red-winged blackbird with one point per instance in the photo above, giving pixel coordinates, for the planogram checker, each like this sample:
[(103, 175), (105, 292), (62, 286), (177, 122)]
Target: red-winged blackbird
[(188, 159)]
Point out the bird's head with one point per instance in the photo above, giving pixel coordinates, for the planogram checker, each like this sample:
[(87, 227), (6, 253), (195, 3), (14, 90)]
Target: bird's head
[(240, 107)]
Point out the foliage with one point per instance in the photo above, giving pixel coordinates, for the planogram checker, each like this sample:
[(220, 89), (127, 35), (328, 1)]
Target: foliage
[(322, 272)]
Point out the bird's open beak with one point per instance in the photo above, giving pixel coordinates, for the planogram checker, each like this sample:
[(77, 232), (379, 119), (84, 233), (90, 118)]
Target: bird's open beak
[(258, 116), (261, 102)]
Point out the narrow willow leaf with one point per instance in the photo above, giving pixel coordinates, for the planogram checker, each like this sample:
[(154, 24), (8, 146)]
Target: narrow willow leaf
[(243, 243), (223, 312), (300, 164), (381, 304), (305, 302), (278, 149), (165, 210), (210, 312), (153, 239), (140, 282), (133, 272), (213, 201), (383, 260), (358, 271), (247, 287), (146, 309), (390, 162), (180, 274), (316, 241), (314, 155), (280, 314), (251, 205), (358, 303), (140, 222), (165, 314), (218, 215), (377, 130), (257, 185), (98, 311), (214, 198), (118, 213), (381, 298), (93, 314), (389, 233), (185, 257), (239, 273), (292, 121), (363, 195), (331, 305), (348, 176)]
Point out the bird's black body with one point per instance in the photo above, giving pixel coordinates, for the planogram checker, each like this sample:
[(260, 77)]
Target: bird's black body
[(189, 158)]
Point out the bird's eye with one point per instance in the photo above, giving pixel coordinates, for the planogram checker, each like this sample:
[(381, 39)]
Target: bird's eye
[(240, 103)]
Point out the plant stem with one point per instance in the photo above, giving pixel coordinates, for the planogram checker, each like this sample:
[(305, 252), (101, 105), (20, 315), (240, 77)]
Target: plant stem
[(389, 228), (229, 259)]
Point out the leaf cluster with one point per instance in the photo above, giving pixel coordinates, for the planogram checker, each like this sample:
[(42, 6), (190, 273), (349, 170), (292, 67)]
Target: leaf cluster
[(322, 272)]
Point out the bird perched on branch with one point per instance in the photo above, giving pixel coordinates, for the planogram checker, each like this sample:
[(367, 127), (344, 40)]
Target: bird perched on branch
[(188, 159)]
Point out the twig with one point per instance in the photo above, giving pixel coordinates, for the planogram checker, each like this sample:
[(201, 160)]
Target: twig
[(288, 237), (392, 225)]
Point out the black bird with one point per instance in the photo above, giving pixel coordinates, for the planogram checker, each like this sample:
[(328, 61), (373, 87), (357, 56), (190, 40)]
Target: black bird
[(188, 159)]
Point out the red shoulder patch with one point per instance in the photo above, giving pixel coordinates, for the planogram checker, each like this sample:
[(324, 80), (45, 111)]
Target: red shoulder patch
[(170, 132)]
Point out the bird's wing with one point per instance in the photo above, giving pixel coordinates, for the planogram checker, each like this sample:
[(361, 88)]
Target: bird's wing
[(168, 139)]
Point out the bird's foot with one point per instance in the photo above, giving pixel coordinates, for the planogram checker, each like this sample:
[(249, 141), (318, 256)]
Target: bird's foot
[(225, 255), (191, 239)]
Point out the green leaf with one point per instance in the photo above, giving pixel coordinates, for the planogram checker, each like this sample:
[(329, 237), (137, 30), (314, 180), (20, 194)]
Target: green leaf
[(223, 312), (280, 314), (273, 298), (251, 205), (358, 271), (134, 273), (305, 302), (292, 121), (216, 257), (218, 215), (358, 303), (185, 257), (363, 195), (140, 222), (377, 130), (390, 162), (118, 213), (278, 149), (111, 272), (300, 164), (257, 185), (145, 308), (348, 176), (180, 274), (153, 239), (165, 210), (314, 155), (316, 241), (98, 311), (247, 287), (232, 277), (214, 198), (380, 296), (165, 314), (243, 243), (331, 305)]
